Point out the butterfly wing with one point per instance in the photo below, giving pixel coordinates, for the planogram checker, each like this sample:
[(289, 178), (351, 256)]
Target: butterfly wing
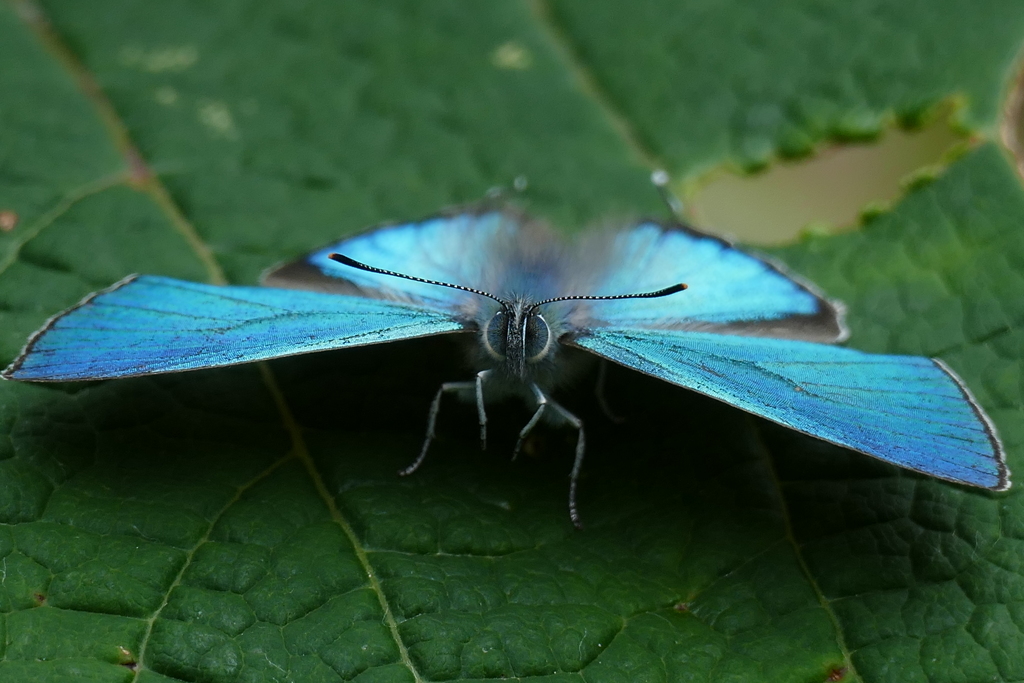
[(730, 291), (906, 410), (145, 325), (450, 248)]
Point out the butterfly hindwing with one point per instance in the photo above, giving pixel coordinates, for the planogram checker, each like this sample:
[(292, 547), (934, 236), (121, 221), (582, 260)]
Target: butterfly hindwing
[(147, 324), (456, 248), (906, 410), (730, 291)]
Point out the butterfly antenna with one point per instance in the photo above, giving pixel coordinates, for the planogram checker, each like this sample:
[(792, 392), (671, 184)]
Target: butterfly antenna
[(643, 295), (345, 260)]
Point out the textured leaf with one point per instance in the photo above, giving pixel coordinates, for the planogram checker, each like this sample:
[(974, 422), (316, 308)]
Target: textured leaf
[(926, 579), (247, 524), (743, 82)]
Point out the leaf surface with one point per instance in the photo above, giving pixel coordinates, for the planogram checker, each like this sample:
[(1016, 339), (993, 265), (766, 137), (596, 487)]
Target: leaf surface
[(247, 524), (743, 83)]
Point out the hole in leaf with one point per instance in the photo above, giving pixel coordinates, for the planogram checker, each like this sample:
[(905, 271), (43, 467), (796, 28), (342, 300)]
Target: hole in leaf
[(826, 193), (836, 674), (126, 658), (1012, 129), (8, 221)]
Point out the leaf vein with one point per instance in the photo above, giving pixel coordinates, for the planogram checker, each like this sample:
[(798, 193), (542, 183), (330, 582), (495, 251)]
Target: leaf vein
[(798, 554), (302, 453), (589, 84), (190, 554)]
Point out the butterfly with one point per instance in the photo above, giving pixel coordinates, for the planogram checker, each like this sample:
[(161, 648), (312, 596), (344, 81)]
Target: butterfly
[(658, 297)]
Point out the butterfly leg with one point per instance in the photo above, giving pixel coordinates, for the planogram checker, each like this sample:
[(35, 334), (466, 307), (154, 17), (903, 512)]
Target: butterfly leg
[(543, 404), (577, 463), (601, 395), (480, 411), (477, 386)]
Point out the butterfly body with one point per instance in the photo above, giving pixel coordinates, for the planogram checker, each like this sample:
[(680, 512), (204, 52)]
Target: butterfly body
[(744, 332)]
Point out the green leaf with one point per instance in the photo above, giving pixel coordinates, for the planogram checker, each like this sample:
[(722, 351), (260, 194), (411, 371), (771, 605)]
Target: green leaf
[(744, 82), (247, 524), (927, 575)]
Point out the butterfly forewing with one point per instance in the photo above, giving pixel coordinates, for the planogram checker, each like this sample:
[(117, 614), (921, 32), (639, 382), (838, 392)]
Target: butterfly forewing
[(146, 325)]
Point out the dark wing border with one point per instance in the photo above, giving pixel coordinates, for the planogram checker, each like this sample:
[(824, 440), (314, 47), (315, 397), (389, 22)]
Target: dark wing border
[(990, 428), (19, 360), (827, 326)]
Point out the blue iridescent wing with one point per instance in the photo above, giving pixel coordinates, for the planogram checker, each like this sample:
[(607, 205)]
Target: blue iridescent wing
[(145, 325), (730, 291), (454, 248), (906, 410)]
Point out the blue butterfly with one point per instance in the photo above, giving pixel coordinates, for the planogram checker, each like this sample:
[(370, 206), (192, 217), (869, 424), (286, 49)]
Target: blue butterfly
[(744, 331)]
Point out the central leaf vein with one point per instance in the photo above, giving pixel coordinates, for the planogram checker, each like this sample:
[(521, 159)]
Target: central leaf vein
[(140, 176), (302, 453)]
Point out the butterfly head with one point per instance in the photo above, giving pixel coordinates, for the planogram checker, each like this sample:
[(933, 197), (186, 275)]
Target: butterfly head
[(517, 336)]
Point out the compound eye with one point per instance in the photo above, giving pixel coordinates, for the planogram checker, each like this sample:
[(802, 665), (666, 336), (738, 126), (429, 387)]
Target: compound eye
[(538, 338), (496, 335)]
